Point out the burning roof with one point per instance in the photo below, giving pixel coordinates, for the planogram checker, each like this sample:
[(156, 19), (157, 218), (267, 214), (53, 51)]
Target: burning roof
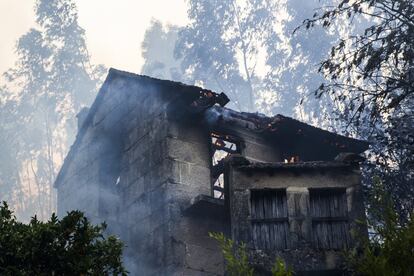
[(292, 136), (207, 106)]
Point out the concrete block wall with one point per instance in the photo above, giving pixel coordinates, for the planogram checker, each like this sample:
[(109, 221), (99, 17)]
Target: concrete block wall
[(168, 165), (79, 189), (189, 151), (125, 139), (144, 181), (164, 166), (97, 145)]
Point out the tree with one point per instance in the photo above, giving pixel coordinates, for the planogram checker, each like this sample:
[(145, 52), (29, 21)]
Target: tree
[(292, 57), (219, 33), (9, 162), (67, 246), (389, 250), (51, 81), (392, 159), (376, 68), (372, 75), (158, 52), (246, 49)]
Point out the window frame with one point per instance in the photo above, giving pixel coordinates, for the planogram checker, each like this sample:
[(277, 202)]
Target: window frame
[(218, 169)]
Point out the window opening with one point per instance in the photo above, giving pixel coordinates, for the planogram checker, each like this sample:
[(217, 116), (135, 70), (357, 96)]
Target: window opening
[(329, 213), (292, 159), (221, 146), (269, 218)]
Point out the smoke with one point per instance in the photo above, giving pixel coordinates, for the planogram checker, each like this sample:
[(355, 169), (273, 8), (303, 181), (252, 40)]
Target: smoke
[(115, 165), (212, 116)]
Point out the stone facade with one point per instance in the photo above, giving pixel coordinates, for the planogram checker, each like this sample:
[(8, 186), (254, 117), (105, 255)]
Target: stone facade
[(142, 161), (299, 182)]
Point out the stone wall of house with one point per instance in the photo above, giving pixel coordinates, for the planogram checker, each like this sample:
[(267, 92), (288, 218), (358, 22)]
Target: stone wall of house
[(95, 161), (193, 252), (169, 165), (79, 187), (143, 185), (138, 170)]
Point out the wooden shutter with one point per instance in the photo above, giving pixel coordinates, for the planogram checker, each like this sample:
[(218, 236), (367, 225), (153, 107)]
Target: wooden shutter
[(329, 213), (269, 217)]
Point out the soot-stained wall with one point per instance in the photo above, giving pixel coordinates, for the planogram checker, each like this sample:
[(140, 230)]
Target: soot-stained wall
[(138, 169), (295, 220)]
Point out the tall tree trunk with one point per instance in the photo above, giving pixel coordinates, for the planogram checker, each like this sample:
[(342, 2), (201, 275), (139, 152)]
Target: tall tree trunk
[(39, 190), (245, 65)]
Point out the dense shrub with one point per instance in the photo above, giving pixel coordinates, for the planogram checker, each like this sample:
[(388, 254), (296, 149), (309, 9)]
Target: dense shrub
[(70, 246)]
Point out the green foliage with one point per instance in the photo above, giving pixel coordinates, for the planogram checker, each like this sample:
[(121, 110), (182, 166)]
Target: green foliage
[(50, 82), (237, 260), (70, 246), (376, 65), (389, 251), (370, 74), (280, 269)]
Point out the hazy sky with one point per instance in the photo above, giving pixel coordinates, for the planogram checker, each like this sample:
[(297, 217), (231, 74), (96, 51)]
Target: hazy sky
[(114, 28)]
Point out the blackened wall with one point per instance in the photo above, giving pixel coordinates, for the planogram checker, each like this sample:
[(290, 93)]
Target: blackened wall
[(296, 180), (138, 169)]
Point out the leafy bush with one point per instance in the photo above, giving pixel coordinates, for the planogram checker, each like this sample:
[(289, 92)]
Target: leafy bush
[(280, 269), (237, 261), (389, 250), (70, 246)]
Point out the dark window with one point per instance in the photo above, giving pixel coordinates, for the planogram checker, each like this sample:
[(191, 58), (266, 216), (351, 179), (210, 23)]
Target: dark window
[(221, 147), (329, 213), (269, 218)]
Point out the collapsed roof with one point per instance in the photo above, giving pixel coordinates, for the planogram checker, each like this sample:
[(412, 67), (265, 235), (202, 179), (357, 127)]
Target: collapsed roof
[(293, 137)]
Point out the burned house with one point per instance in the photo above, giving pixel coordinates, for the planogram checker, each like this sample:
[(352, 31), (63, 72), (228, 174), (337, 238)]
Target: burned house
[(165, 163)]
